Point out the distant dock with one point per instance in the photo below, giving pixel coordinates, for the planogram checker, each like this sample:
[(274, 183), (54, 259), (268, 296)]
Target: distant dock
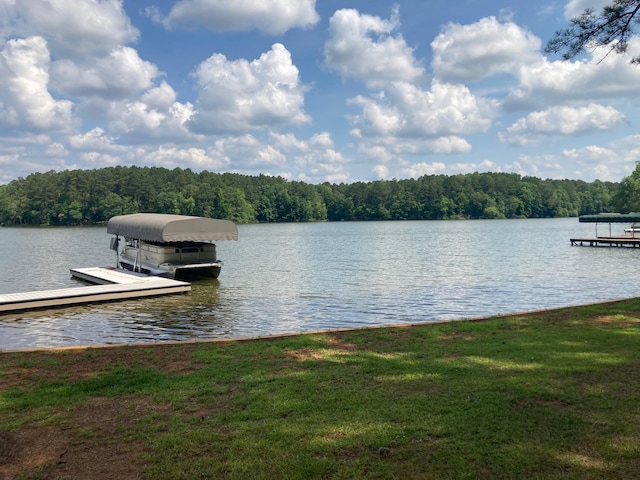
[(111, 285), (622, 241), (631, 240)]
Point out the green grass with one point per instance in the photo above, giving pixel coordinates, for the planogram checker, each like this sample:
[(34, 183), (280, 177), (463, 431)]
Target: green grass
[(544, 395)]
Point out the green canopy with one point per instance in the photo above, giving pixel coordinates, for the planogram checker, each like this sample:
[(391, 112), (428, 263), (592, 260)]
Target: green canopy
[(610, 218)]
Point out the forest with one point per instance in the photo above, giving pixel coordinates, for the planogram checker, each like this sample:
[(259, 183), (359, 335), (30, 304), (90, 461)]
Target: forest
[(81, 197)]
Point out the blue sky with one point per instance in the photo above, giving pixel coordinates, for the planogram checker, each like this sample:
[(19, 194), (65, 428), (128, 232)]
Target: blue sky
[(336, 91)]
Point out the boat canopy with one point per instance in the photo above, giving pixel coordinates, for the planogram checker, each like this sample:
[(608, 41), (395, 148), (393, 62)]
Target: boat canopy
[(610, 218), (160, 227)]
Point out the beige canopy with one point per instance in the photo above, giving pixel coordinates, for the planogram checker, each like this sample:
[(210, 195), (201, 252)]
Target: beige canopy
[(160, 227)]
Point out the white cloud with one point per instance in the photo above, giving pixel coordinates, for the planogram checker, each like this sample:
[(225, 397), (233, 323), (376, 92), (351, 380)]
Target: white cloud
[(94, 140), (381, 171), (160, 98), (535, 164), (25, 101), (596, 162), (271, 16), (288, 142), (270, 156), (379, 153), (139, 122), (482, 49), (574, 8), (316, 157), (363, 47), (243, 149), (417, 170), (563, 121), (323, 164), (172, 157), (321, 140), (548, 83), (76, 28), (239, 96), (56, 150), (120, 74), (450, 144), (590, 154), (99, 160), (390, 149), (138, 117), (408, 111)]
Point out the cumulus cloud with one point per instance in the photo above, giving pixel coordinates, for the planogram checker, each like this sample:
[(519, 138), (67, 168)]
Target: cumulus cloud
[(160, 98), (25, 100), (270, 16), (599, 162), (139, 123), (546, 83), (76, 28), (562, 120), (420, 169), (94, 140), (408, 111), (238, 95), (472, 52), (317, 157), (364, 47), (100, 160), (56, 149), (392, 150), (381, 171), (120, 74), (174, 157)]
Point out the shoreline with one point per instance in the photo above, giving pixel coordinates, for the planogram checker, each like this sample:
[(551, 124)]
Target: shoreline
[(311, 332)]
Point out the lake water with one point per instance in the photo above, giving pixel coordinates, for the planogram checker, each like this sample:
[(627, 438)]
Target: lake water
[(282, 278)]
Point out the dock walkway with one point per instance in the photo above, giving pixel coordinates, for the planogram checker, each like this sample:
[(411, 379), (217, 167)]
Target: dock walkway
[(621, 241), (111, 285)]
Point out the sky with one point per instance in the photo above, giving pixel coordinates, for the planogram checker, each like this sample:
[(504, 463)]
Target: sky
[(314, 91)]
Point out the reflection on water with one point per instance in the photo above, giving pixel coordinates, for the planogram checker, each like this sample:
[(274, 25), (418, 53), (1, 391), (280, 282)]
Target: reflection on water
[(301, 277)]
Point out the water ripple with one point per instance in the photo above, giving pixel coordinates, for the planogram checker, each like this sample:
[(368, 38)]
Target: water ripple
[(303, 277)]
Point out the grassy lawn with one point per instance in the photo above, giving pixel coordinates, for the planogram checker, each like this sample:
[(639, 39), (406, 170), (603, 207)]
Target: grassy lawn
[(553, 394)]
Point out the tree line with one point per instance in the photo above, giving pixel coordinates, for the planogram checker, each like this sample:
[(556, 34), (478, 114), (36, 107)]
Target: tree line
[(80, 197)]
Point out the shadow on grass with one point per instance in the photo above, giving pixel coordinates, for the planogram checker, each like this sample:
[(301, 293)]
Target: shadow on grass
[(546, 395)]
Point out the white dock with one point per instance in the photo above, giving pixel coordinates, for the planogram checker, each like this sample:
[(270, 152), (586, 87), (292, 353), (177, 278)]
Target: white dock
[(111, 285)]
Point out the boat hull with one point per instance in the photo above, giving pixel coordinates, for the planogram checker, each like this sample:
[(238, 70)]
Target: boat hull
[(179, 272), (179, 260)]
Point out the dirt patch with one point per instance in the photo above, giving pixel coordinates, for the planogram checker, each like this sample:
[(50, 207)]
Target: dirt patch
[(303, 354), (100, 462), (617, 320), (340, 344), (32, 450), (98, 442), (8, 447), (336, 346), (30, 368)]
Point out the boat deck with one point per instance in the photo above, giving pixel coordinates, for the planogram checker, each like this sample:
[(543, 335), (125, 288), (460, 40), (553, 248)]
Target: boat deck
[(111, 284), (619, 241)]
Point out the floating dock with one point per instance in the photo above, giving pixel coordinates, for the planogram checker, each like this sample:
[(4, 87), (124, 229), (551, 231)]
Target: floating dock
[(622, 241), (111, 285), (611, 240)]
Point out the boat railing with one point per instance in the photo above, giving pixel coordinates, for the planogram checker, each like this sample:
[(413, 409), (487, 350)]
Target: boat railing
[(195, 254), (158, 254)]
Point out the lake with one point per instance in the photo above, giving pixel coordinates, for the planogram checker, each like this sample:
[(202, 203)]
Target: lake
[(285, 278)]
